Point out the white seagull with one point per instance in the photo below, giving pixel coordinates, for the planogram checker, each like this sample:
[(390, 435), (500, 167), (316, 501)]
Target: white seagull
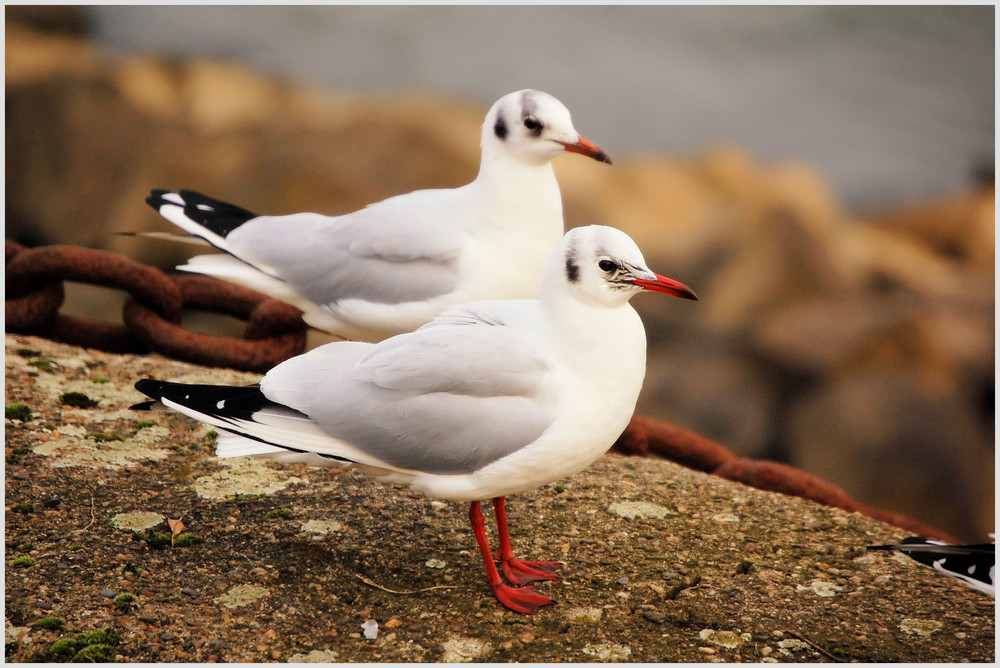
[(486, 400), (394, 265)]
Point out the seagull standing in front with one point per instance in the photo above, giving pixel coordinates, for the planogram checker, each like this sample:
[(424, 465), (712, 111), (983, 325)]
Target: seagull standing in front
[(396, 264), (488, 399)]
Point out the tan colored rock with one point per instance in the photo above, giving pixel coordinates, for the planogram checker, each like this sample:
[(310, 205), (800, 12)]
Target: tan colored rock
[(227, 97), (960, 226), (30, 56)]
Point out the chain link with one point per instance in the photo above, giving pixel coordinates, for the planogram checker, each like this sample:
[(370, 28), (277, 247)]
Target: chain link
[(152, 313)]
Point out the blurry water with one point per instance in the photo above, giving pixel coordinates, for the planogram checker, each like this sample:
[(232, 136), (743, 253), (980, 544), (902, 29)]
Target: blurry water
[(888, 102)]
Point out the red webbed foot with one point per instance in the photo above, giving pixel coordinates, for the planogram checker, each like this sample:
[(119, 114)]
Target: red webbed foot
[(521, 599), (520, 572)]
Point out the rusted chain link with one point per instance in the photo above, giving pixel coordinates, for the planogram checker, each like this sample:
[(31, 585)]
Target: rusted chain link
[(274, 330), (152, 314), (32, 311)]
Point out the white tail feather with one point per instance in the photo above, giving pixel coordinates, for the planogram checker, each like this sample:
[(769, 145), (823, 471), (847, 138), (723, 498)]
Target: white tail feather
[(234, 270), (283, 426), (231, 445)]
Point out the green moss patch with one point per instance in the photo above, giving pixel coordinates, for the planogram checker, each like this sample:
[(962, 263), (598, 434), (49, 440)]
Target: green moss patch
[(77, 400), (50, 623), (20, 412), (91, 647), (102, 437)]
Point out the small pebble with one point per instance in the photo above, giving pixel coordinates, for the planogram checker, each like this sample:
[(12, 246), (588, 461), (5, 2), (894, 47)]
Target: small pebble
[(107, 593), (146, 619), (187, 591), (44, 605), (653, 616), (623, 580)]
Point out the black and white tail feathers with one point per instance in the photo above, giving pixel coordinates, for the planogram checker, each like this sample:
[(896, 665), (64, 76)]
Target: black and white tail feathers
[(197, 214), (258, 426), (223, 402), (972, 564)]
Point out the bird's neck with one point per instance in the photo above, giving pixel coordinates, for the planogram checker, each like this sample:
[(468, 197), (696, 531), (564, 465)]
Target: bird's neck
[(611, 335), (515, 184)]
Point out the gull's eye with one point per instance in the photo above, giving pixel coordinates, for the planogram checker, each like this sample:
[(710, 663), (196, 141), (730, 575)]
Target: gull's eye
[(532, 124), (607, 265)]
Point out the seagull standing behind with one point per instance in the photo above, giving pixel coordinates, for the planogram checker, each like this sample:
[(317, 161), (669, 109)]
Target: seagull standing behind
[(488, 399), (394, 265)]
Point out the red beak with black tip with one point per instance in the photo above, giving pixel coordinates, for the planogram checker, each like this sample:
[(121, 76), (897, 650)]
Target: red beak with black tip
[(587, 148), (667, 286)]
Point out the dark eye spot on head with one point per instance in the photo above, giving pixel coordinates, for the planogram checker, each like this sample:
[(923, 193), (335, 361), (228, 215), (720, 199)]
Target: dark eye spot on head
[(533, 125), (607, 265), (500, 127), (572, 270)]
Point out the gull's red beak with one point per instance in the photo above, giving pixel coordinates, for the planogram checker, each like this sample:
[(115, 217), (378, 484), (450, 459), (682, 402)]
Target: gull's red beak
[(668, 286), (587, 148)]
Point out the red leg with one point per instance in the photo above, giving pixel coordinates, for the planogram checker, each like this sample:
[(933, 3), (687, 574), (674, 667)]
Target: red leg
[(518, 599), (518, 571)]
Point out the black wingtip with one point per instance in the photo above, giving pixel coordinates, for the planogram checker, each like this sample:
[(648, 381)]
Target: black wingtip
[(155, 198), (214, 215), (151, 387)]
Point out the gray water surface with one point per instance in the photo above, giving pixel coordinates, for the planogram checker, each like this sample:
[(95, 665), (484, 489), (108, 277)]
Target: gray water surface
[(889, 103)]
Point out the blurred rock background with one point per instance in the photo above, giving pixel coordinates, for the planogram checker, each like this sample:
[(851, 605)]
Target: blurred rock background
[(851, 335)]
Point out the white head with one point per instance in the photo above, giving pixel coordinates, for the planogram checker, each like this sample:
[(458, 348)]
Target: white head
[(602, 266), (534, 127)]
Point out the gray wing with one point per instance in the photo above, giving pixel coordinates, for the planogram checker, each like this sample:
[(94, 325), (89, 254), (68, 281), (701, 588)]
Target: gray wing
[(444, 399), (398, 250)]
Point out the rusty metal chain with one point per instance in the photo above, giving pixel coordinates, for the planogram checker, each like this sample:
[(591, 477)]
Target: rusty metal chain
[(151, 315)]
